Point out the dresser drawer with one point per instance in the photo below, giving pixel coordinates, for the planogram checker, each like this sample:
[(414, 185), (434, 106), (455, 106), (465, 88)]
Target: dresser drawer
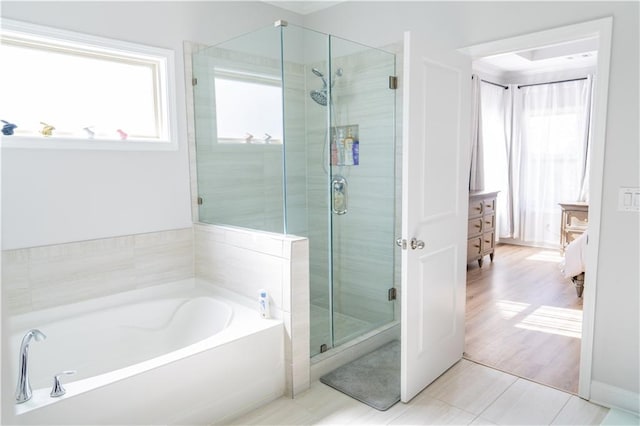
[(488, 242), (474, 226), (475, 208), (488, 222), (488, 206), (474, 247)]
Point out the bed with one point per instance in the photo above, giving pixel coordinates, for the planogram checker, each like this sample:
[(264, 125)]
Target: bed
[(573, 264)]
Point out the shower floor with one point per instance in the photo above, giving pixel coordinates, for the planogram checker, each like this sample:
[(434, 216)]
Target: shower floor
[(345, 328)]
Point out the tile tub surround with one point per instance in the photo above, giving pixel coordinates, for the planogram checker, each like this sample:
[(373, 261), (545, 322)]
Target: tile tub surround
[(41, 277), (245, 261)]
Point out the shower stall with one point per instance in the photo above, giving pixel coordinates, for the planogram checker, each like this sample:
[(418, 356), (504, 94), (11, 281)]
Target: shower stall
[(295, 134)]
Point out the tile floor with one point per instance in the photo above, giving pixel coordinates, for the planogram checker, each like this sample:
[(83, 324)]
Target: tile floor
[(468, 393)]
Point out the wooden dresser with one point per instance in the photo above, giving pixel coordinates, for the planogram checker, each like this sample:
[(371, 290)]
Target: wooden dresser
[(481, 238), (575, 218)]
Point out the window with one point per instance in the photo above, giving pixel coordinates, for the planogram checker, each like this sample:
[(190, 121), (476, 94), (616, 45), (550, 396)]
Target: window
[(248, 108), (63, 89)]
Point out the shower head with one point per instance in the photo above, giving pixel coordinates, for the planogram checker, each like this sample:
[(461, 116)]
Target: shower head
[(317, 72), (319, 96)]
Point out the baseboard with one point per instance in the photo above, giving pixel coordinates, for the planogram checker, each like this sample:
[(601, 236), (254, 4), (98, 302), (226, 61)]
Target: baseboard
[(614, 397)]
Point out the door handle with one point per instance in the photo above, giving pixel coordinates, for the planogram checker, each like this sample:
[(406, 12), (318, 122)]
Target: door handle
[(402, 243), (416, 244)]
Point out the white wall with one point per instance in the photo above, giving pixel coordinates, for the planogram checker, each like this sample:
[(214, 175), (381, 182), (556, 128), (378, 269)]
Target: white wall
[(58, 196), (453, 25)]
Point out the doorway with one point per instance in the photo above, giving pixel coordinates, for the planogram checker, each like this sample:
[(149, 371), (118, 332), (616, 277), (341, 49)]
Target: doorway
[(554, 39)]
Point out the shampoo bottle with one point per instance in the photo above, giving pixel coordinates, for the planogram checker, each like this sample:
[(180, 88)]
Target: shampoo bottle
[(263, 304), (348, 149), (340, 146)]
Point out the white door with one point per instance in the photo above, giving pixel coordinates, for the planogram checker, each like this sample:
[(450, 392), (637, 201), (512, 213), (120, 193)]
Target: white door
[(436, 133)]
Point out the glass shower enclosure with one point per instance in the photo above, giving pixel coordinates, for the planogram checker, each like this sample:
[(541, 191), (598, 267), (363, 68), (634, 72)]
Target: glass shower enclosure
[(295, 133)]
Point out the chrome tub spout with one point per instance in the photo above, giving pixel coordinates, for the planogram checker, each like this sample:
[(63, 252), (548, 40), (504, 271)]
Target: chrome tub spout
[(23, 391)]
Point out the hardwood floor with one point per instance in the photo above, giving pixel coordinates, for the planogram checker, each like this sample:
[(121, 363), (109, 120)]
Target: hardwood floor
[(524, 317)]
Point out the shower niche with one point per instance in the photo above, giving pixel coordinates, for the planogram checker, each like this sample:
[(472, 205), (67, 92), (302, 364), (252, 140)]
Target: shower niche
[(295, 134), (345, 145)]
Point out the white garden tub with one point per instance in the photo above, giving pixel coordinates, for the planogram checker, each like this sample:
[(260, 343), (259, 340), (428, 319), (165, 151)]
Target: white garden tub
[(184, 352)]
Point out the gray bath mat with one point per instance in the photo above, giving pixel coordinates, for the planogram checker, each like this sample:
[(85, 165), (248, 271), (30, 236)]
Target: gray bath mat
[(373, 379)]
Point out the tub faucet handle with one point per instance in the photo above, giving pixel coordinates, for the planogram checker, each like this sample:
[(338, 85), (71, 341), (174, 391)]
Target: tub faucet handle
[(57, 389)]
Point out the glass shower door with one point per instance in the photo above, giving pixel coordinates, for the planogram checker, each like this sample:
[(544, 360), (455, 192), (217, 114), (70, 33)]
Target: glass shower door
[(362, 188)]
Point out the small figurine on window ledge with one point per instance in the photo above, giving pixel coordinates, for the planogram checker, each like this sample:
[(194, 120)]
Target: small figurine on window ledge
[(7, 129), (248, 138), (47, 129), (90, 133), (123, 134), (267, 138)]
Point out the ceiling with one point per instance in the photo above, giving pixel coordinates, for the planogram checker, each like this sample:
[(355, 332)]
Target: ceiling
[(575, 54), (303, 7)]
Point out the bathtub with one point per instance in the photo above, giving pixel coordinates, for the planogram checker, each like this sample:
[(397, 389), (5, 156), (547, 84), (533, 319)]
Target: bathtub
[(185, 352)]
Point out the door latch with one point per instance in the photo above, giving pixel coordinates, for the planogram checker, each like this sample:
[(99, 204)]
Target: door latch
[(417, 244)]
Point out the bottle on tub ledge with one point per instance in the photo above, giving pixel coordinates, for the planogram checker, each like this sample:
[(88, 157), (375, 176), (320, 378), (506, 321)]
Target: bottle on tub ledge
[(263, 304)]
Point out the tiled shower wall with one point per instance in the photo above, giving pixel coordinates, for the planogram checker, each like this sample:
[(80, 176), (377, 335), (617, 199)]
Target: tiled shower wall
[(42, 277)]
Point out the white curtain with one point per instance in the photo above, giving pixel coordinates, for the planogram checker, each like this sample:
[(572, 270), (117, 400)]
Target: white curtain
[(549, 156), (496, 131), (476, 172)]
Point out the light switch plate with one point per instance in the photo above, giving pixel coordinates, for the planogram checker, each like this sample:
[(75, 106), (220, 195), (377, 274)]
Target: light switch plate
[(629, 199)]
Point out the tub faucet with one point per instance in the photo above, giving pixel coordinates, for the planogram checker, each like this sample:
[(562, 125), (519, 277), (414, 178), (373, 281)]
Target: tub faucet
[(23, 391)]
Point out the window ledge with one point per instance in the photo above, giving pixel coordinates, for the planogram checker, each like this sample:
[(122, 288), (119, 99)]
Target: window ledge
[(54, 142)]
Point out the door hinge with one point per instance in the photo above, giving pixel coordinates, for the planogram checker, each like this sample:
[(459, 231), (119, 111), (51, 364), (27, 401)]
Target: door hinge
[(393, 82), (194, 81), (392, 294), (200, 201)]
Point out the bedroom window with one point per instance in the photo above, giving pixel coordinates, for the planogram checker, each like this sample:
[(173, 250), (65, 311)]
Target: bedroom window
[(69, 90)]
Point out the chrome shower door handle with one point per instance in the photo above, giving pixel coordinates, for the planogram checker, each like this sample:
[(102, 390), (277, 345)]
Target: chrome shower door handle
[(416, 244)]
